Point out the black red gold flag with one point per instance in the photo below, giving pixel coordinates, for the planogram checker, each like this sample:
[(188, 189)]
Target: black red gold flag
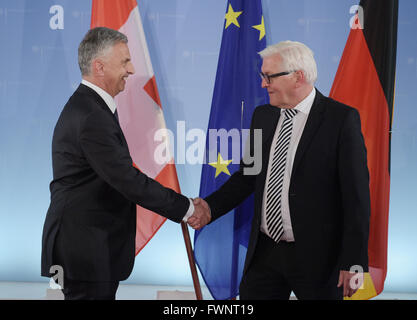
[(365, 80)]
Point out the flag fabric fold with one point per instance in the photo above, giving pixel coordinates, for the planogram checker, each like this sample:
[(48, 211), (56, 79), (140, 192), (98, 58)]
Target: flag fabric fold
[(220, 247), (365, 80), (139, 107)]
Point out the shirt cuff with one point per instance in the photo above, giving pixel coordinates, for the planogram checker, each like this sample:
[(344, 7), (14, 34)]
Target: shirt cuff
[(189, 212)]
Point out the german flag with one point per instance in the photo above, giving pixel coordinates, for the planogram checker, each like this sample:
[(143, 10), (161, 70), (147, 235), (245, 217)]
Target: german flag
[(365, 80)]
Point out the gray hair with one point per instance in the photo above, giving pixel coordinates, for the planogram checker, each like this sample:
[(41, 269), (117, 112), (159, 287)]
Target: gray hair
[(96, 43), (295, 56)]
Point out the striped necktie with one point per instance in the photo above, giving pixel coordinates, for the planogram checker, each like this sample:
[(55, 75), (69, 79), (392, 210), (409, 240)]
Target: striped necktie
[(276, 177)]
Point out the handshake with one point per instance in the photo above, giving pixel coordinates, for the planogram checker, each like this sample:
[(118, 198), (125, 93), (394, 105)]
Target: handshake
[(201, 215)]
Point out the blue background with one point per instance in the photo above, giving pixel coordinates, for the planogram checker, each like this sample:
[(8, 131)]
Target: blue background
[(39, 71)]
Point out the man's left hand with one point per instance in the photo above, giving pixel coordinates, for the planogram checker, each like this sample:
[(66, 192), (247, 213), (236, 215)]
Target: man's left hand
[(350, 286)]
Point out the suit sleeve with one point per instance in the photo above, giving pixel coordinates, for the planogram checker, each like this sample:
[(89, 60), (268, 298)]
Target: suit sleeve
[(102, 143), (234, 191), (239, 186), (354, 182)]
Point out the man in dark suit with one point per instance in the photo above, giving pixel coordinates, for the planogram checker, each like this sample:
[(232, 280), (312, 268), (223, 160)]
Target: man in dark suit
[(312, 202), (90, 226)]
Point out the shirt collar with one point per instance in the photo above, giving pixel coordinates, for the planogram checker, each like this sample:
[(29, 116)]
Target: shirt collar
[(108, 99), (305, 105)]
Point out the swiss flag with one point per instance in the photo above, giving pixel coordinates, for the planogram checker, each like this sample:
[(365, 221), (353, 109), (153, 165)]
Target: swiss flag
[(139, 107)]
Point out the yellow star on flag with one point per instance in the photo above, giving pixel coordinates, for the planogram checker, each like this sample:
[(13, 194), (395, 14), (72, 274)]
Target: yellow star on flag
[(221, 165), (231, 17), (261, 28)]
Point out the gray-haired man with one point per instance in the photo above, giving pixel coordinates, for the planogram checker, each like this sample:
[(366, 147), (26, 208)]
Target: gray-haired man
[(91, 222)]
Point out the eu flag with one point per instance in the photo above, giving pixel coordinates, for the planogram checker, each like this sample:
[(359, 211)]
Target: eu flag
[(220, 247)]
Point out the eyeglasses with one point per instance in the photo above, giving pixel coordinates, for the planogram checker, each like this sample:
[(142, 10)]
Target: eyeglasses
[(268, 77)]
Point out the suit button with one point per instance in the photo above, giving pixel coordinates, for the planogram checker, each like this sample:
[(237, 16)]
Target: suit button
[(292, 194)]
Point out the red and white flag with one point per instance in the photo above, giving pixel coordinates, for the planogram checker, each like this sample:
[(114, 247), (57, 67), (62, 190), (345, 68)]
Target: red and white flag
[(138, 106)]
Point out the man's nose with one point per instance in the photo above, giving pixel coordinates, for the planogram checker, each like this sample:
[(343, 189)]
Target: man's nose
[(131, 68), (264, 84)]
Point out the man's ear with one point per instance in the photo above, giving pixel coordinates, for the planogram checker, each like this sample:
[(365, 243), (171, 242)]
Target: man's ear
[(299, 78), (97, 66)]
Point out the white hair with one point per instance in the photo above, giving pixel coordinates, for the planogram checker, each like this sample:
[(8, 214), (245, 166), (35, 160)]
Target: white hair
[(295, 56)]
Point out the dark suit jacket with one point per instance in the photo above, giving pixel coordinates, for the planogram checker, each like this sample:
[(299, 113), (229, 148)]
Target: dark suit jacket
[(329, 189), (90, 226)]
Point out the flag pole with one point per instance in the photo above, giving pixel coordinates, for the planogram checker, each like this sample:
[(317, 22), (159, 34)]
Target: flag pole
[(194, 274)]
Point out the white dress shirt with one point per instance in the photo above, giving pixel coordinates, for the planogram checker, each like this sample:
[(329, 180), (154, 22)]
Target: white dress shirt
[(108, 99), (299, 122)]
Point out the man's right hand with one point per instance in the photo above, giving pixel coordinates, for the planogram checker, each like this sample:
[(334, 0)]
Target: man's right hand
[(201, 215)]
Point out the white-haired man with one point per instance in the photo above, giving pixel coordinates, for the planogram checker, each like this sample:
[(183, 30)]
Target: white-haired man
[(312, 203)]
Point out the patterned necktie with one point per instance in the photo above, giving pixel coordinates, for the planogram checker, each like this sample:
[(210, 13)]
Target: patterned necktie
[(276, 177)]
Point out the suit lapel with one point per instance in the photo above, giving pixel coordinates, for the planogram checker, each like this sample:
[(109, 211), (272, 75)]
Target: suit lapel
[(87, 90), (269, 125), (314, 120), (99, 100), (90, 92)]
